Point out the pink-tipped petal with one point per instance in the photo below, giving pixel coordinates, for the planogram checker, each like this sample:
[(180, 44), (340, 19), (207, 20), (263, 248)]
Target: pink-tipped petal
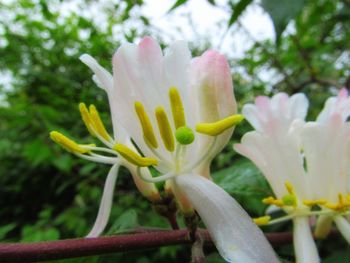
[(212, 95)]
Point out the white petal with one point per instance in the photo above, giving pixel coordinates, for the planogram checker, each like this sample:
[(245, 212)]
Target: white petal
[(235, 235), (336, 105), (326, 150), (343, 226), (176, 63), (130, 86), (304, 244), (279, 159), (251, 114), (298, 105), (103, 77), (106, 203)]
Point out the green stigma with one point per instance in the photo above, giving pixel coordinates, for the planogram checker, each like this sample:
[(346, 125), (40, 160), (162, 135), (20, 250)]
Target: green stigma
[(289, 200), (184, 135)]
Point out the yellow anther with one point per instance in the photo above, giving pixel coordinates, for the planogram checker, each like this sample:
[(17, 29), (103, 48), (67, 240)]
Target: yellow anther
[(67, 143), (314, 202), (85, 115), (98, 124), (134, 157), (333, 206), (165, 129), (146, 125), (263, 220), (289, 200), (216, 128), (289, 187), (177, 108), (342, 205), (272, 201)]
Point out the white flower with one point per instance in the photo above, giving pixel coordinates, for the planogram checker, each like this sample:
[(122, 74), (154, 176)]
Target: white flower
[(160, 101), (90, 152), (306, 163)]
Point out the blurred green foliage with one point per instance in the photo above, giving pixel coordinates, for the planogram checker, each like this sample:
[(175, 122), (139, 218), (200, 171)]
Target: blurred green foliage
[(48, 194)]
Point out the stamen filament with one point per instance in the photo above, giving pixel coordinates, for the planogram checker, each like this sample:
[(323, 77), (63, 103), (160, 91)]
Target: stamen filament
[(99, 149), (205, 154), (158, 179), (98, 158), (165, 129)]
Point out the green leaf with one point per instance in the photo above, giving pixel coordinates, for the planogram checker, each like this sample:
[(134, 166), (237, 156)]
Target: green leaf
[(127, 221), (37, 152), (338, 257), (177, 4), (35, 234), (214, 258), (237, 10), (5, 229), (282, 12), (244, 182), (212, 2), (63, 162)]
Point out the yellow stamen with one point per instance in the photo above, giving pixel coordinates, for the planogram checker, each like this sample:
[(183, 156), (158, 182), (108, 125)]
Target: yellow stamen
[(289, 187), (134, 157), (272, 201), (98, 124), (67, 143), (342, 205), (333, 206), (263, 220), (146, 125), (314, 202), (85, 115), (177, 108), (165, 129), (220, 126)]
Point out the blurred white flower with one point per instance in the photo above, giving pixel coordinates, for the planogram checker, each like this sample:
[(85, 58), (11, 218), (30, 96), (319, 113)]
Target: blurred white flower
[(306, 163)]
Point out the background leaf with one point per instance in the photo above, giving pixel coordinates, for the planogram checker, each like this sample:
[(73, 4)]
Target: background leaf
[(237, 10), (282, 12), (244, 182)]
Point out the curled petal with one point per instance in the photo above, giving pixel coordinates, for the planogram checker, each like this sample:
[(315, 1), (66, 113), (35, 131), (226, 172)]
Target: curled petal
[(235, 235), (102, 77), (106, 202)]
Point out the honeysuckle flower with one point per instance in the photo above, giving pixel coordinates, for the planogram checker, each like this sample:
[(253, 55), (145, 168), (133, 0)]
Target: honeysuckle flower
[(306, 163), (91, 152), (180, 112)]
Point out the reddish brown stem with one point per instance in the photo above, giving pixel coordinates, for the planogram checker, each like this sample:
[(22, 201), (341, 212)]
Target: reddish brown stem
[(71, 248)]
